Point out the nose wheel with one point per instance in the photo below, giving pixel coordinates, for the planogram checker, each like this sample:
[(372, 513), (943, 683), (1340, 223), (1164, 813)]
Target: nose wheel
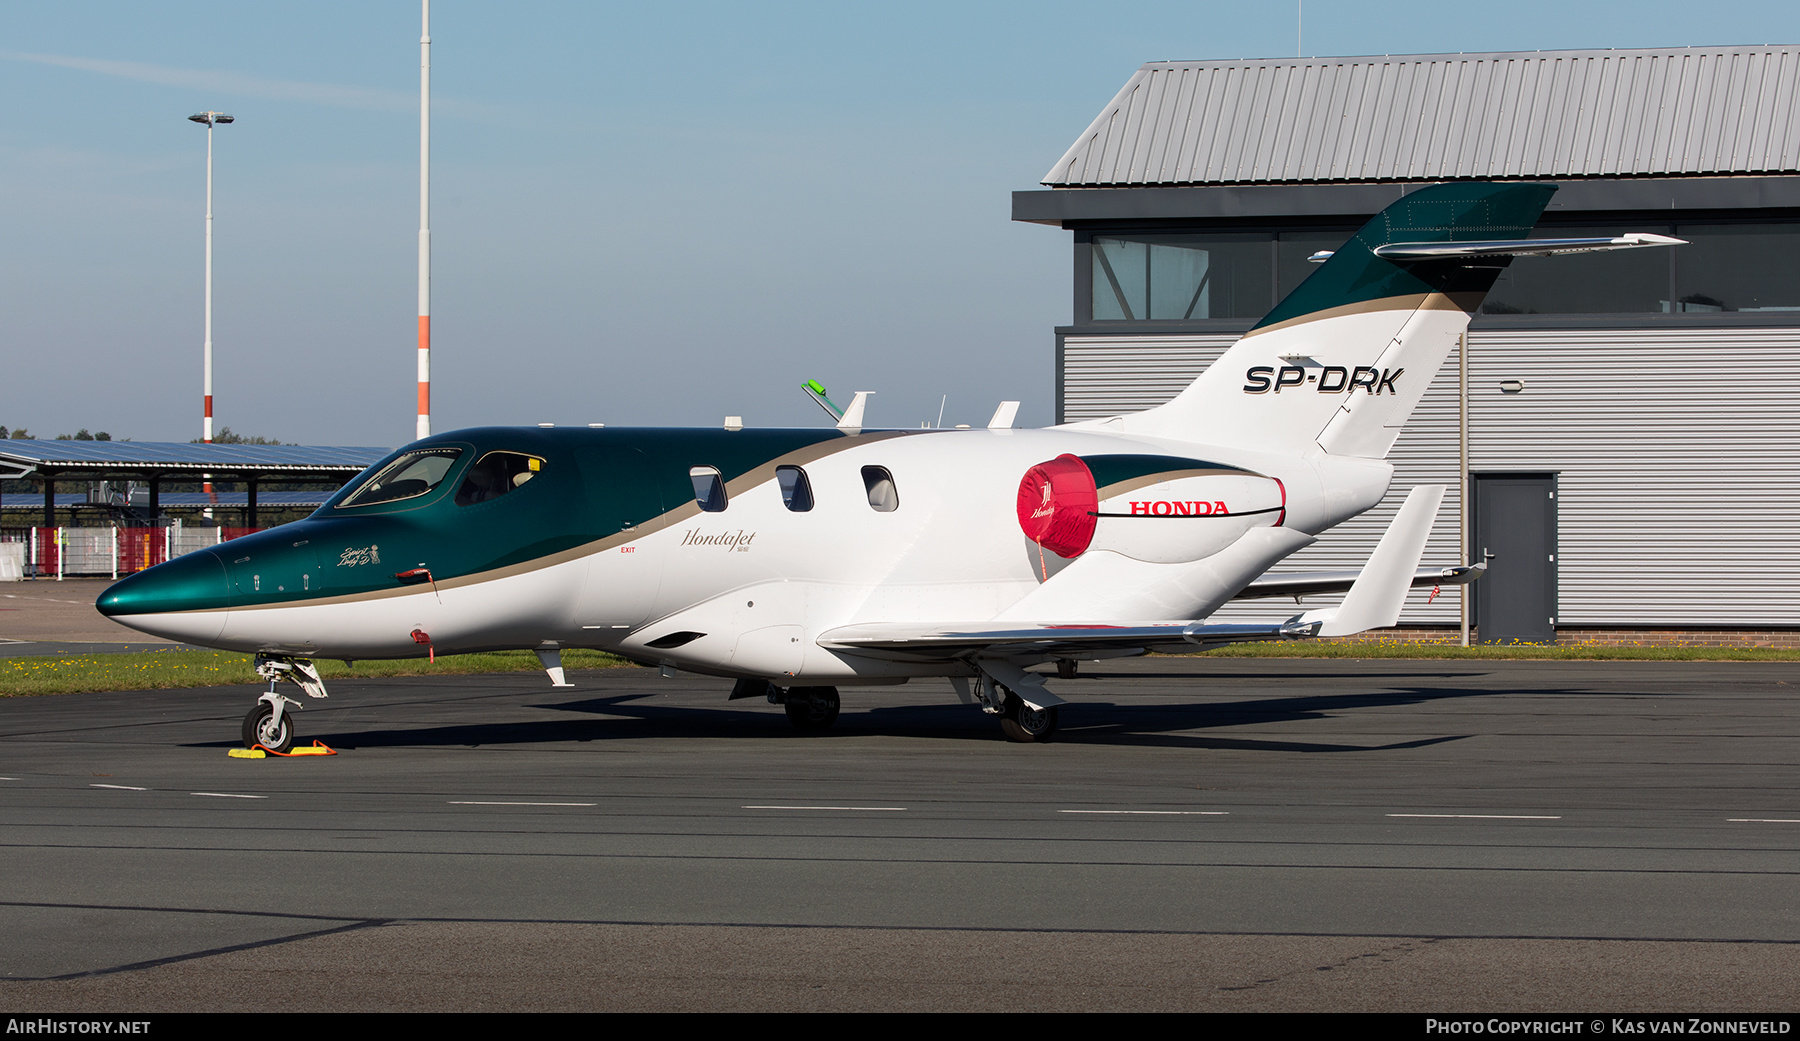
[(262, 727)]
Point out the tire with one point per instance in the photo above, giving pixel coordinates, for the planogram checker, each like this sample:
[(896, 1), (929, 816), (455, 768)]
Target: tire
[(812, 709), (1020, 722), (259, 733)]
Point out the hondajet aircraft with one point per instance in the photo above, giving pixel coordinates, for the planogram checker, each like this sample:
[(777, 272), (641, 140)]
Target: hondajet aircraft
[(801, 561)]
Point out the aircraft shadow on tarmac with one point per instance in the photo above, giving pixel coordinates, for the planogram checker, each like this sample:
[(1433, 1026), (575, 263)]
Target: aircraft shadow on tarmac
[(1181, 725)]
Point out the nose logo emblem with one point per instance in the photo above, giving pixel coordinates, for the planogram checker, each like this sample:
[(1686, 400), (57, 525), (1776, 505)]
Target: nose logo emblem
[(365, 555)]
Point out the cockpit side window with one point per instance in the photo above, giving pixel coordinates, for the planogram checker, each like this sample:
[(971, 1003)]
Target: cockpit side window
[(408, 477), (495, 474), (796, 490), (883, 496), (709, 488)]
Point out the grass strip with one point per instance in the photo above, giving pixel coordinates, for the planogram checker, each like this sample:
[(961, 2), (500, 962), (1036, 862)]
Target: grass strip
[(155, 670), (1501, 652)]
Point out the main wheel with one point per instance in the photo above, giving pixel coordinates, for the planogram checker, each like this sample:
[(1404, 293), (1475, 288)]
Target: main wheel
[(1021, 722), (261, 729), (812, 709)]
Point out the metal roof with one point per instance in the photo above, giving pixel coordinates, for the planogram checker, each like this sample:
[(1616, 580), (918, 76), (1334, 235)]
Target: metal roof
[(98, 458), (1431, 117)]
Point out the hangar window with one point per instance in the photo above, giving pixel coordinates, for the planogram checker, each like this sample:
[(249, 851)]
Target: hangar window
[(883, 496), (1736, 267), (1181, 277), (709, 488), (495, 474), (1622, 282), (408, 477), (796, 490)]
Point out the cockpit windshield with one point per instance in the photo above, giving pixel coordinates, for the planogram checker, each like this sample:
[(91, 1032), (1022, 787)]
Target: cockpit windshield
[(408, 477)]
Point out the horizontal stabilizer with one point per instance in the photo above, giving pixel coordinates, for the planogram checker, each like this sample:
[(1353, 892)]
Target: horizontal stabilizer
[(1519, 247), (1319, 583)]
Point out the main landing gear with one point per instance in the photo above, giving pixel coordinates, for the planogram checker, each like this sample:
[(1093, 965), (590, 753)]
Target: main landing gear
[(1032, 721), (810, 709), (270, 722), (1023, 723)]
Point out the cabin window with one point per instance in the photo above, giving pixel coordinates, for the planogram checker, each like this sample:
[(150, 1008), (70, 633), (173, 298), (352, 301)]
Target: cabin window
[(408, 477), (883, 496), (495, 474), (709, 488), (796, 490)]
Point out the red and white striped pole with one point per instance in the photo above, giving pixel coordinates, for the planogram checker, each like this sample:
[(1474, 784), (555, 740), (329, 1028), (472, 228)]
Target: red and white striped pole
[(210, 118), (425, 222), (206, 416)]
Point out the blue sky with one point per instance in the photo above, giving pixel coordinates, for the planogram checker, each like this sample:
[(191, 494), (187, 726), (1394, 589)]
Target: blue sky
[(642, 214)]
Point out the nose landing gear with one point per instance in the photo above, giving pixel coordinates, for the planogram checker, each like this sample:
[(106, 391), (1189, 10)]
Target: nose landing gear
[(270, 723), (268, 728)]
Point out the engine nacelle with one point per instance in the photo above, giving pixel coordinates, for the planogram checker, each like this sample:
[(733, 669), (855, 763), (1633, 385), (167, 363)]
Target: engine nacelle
[(1187, 516), (1057, 505), (1162, 510)]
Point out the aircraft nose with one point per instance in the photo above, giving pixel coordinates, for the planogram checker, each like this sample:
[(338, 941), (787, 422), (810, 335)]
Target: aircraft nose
[(163, 600)]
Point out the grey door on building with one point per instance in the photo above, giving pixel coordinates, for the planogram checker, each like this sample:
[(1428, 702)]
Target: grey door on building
[(1515, 531)]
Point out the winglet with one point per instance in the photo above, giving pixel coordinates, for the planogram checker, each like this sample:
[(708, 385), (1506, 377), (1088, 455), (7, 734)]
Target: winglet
[(1375, 599)]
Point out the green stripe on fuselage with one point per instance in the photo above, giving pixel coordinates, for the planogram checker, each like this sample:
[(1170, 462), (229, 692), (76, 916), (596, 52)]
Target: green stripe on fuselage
[(594, 484), (1109, 470)]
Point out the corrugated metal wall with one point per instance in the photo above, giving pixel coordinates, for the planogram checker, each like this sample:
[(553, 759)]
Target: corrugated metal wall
[(1677, 450)]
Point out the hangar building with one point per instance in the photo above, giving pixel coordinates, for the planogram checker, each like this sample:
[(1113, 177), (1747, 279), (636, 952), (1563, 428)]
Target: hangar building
[(1634, 417)]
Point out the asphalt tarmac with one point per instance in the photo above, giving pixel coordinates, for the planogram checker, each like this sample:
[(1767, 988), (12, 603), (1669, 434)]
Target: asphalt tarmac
[(1202, 834), (46, 617)]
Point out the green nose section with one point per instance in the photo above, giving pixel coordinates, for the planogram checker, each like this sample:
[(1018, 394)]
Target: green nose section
[(193, 582)]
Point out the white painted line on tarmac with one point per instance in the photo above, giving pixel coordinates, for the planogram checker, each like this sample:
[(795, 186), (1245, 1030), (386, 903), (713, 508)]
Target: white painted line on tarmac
[(888, 808), (1763, 820), (228, 795), (119, 787), (471, 802), (1160, 813), (1483, 816)]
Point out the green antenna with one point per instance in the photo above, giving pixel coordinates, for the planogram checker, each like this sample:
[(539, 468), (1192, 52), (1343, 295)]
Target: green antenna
[(816, 390)]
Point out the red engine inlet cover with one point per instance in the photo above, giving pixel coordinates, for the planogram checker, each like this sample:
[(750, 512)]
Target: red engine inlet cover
[(1057, 501)]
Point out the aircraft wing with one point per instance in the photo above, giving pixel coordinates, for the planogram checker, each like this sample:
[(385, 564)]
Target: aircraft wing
[(946, 643), (1372, 600)]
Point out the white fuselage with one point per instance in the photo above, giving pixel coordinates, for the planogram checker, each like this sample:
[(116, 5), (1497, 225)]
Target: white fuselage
[(759, 582)]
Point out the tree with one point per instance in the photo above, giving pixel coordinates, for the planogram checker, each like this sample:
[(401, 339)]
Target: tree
[(226, 437)]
